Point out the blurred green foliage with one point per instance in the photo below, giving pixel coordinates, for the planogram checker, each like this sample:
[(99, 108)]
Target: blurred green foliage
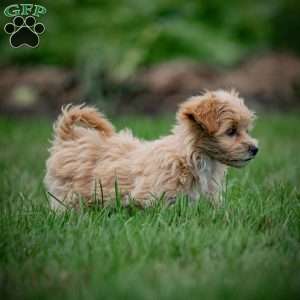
[(125, 35)]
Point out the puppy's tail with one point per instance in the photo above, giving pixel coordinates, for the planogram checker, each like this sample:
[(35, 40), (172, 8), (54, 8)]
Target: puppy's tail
[(84, 115)]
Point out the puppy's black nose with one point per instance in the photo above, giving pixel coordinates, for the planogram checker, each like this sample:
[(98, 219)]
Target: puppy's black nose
[(253, 150)]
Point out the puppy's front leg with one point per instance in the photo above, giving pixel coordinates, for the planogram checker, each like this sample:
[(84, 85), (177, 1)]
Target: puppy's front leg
[(213, 193), (216, 192), (216, 199)]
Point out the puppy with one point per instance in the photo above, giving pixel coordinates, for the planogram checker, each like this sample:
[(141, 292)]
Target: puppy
[(88, 156)]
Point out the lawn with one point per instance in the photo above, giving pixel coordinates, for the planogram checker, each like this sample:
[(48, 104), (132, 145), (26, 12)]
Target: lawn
[(247, 249)]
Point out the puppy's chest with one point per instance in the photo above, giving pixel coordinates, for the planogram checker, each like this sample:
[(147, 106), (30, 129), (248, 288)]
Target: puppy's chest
[(208, 177)]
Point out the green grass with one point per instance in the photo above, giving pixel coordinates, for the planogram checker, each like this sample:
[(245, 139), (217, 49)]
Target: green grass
[(248, 249)]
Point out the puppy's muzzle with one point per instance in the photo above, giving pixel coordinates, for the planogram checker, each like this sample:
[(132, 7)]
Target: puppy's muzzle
[(253, 150)]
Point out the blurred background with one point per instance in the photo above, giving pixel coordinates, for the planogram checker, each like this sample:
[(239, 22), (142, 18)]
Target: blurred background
[(141, 56)]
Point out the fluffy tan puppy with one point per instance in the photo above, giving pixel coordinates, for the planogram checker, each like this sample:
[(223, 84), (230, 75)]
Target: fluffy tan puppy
[(88, 155)]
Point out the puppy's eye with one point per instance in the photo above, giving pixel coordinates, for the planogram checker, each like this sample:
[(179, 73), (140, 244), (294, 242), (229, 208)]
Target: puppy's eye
[(231, 131)]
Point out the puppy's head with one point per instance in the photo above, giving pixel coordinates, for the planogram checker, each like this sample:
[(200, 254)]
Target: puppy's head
[(220, 123)]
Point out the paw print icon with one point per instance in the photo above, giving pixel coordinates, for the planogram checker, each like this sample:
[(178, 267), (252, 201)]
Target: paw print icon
[(24, 32)]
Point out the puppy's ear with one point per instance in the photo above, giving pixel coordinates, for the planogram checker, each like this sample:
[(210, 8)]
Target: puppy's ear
[(201, 113)]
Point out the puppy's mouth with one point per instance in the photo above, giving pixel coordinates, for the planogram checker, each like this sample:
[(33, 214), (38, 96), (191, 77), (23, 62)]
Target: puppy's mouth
[(238, 163)]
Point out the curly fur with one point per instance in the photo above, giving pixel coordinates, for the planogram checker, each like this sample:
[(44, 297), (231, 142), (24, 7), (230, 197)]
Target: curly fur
[(192, 160)]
